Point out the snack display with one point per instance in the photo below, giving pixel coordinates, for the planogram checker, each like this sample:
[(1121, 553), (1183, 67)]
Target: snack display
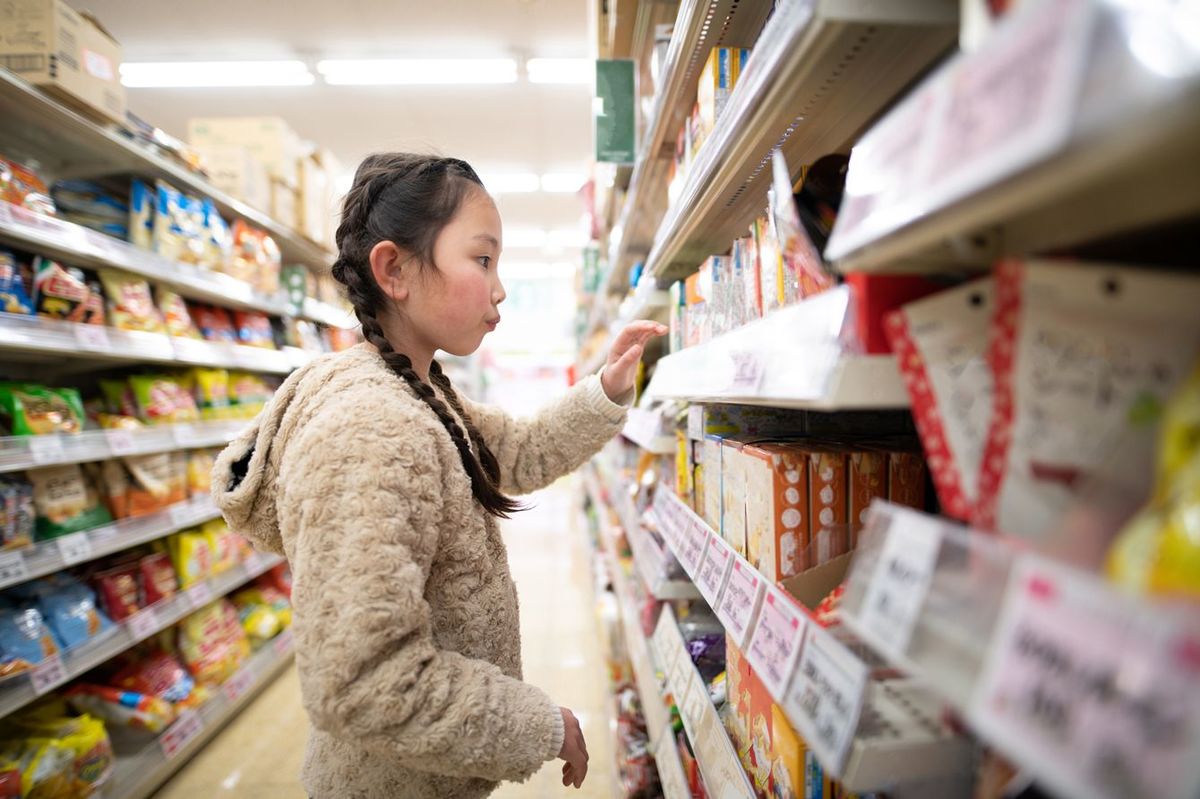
[(130, 306), (176, 316), (214, 323), (29, 410), (179, 226), (212, 642)]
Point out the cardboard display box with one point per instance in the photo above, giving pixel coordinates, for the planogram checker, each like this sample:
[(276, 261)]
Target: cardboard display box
[(269, 139), (239, 174)]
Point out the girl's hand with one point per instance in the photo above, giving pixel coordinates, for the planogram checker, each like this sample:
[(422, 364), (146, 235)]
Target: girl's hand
[(623, 357), (574, 750)]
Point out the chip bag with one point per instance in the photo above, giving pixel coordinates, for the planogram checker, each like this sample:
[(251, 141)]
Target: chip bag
[(179, 226), (65, 501), (141, 215), (211, 389), (13, 296), (178, 319), (130, 306), (70, 610), (200, 466), (214, 323), (192, 556), (218, 238), (27, 410), (17, 513), (212, 642), (162, 399), (253, 329), (63, 294), (122, 708), (25, 639), (157, 577)]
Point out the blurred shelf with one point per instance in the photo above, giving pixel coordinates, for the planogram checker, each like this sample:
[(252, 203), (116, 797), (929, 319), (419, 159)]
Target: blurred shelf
[(47, 557), (1094, 692), (670, 767), (74, 147), (328, 314), (792, 358), (821, 71), (644, 428), (31, 452), (1071, 123), (139, 773), (20, 690)]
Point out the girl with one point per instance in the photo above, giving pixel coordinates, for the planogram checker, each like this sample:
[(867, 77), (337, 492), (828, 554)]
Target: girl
[(383, 488)]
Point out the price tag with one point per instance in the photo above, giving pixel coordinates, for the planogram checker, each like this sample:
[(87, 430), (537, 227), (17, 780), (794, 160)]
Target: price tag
[(13, 568), (48, 675), (102, 534), (74, 548), (185, 435), (714, 569), (695, 422), (143, 624), (200, 595), (901, 581), (1095, 692), (697, 698), (749, 367), (46, 449), (237, 685), (739, 602), (670, 769), (181, 514), (93, 338), (186, 729), (775, 644), (284, 642), (691, 547), (826, 697), (121, 442)]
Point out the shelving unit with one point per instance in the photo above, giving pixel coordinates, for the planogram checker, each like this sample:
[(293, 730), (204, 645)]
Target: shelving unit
[(670, 767), (644, 428)]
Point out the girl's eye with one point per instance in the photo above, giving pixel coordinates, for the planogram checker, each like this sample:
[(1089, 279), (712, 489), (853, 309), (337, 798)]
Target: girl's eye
[(484, 260)]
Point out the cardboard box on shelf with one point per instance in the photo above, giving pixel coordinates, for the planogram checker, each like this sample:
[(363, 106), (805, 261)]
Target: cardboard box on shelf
[(906, 479), (733, 490), (316, 204), (776, 499), (239, 174), (768, 746), (745, 421), (285, 204), (64, 53), (269, 139), (828, 507), (868, 481), (710, 461)]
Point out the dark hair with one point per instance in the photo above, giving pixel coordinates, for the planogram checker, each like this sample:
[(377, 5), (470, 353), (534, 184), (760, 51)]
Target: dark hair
[(408, 199)]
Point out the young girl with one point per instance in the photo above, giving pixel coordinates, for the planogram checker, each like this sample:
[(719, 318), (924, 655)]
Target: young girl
[(383, 488)]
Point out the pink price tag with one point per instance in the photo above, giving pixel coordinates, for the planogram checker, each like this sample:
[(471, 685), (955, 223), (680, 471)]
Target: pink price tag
[(713, 570), (48, 675), (186, 729), (199, 595), (738, 603), (237, 685), (143, 624), (121, 442), (775, 644), (691, 548)]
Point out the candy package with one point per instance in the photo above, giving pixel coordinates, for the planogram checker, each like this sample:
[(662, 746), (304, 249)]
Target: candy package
[(28, 410), (253, 329), (212, 642), (141, 215), (192, 556), (25, 639), (20, 185), (214, 323), (175, 314), (13, 296), (66, 502), (162, 399), (122, 708), (64, 294), (130, 306), (211, 390), (17, 513), (180, 233), (157, 577)]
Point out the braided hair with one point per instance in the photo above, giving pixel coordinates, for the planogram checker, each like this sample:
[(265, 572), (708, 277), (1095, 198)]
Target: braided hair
[(407, 199)]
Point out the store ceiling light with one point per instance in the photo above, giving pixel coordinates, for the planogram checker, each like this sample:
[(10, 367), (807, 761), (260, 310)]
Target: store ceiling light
[(510, 182), (563, 182), (418, 72), (201, 74), (578, 71)]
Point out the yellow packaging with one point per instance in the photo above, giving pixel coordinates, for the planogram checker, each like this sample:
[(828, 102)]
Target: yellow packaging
[(223, 543), (192, 555), (683, 467), (212, 642), (716, 84), (199, 471)]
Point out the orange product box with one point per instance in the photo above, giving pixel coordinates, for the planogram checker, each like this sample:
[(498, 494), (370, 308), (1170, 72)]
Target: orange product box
[(733, 495), (828, 506), (906, 479), (868, 481), (777, 525), (768, 746)]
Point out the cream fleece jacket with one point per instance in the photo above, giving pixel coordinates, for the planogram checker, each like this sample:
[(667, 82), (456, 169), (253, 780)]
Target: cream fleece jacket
[(406, 618)]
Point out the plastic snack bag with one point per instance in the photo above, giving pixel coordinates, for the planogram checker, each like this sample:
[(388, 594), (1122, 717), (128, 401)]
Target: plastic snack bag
[(223, 544), (28, 410), (60, 293), (176, 316), (83, 737), (47, 768), (130, 306), (17, 522), (212, 642), (157, 578), (162, 675), (70, 610), (214, 323), (20, 185), (122, 708), (211, 387), (25, 639), (141, 215), (13, 296), (66, 502), (199, 467), (256, 258), (253, 329), (192, 556), (163, 400), (218, 238), (179, 226)]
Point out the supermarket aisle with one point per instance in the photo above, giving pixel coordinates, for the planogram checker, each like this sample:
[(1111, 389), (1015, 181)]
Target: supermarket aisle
[(259, 754)]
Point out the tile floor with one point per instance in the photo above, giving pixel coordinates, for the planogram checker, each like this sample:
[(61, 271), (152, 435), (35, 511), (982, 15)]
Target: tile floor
[(258, 755)]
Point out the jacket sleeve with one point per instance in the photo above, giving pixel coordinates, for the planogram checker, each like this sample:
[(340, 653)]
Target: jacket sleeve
[(367, 507), (535, 452)]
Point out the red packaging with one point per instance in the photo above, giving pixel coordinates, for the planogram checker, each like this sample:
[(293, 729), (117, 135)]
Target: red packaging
[(214, 323), (828, 506), (119, 591), (906, 479), (253, 329), (159, 674), (158, 577), (868, 482), (279, 578), (872, 297)]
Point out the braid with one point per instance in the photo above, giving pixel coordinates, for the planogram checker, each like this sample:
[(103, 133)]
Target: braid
[(486, 457)]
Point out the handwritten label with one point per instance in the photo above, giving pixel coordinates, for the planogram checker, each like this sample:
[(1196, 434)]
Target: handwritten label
[(898, 588), (740, 600), (186, 729), (749, 367), (48, 675), (74, 548), (121, 442), (284, 642), (93, 338), (1096, 693), (200, 595), (826, 697), (237, 685), (13, 568), (143, 624), (775, 644), (714, 569), (46, 449)]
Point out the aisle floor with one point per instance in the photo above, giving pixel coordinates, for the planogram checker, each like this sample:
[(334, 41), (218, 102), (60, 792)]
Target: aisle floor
[(259, 754)]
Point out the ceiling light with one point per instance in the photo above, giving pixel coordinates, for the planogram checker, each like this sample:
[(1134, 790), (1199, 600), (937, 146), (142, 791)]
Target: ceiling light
[(563, 182), (510, 182), (198, 74), (580, 71), (414, 71)]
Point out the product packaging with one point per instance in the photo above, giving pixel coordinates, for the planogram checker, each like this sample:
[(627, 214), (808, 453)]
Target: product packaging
[(710, 458), (14, 298), (213, 643), (214, 323), (868, 482), (122, 708), (69, 608), (141, 215), (192, 556), (828, 506), (253, 329), (65, 501), (27, 410), (218, 238), (776, 501), (175, 314), (733, 501), (180, 232), (157, 577), (162, 399), (769, 748), (25, 639), (17, 513), (64, 294), (21, 186), (130, 306)]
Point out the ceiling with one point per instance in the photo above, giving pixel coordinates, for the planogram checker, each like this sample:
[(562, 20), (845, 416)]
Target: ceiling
[(497, 128)]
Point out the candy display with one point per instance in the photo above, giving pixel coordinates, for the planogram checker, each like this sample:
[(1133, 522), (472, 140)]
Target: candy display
[(130, 305)]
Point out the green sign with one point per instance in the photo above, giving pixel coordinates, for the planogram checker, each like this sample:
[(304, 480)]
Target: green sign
[(613, 112)]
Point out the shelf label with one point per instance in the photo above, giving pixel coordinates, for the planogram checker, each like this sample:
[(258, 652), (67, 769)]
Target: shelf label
[(749, 367), (826, 697), (48, 675), (186, 435), (237, 685), (743, 590), (691, 547), (181, 514), (143, 624), (93, 338), (901, 581), (102, 534), (199, 595), (186, 729), (714, 569), (46, 449), (670, 769), (1094, 692), (775, 644), (121, 442), (697, 698), (284, 642), (13, 568), (253, 563), (695, 422), (74, 548)]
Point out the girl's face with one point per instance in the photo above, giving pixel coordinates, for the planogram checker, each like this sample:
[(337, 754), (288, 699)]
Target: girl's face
[(454, 306)]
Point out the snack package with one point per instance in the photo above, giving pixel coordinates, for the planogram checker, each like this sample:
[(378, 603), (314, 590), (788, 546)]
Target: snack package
[(20, 185), (130, 306), (177, 477), (1084, 358), (121, 708), (212, 642), (162, 675), (82, 737), (218, 238), (303, 334), (224, 545), (192, 556), (69, 608), (804, 271), (119, 398), (119, 590), (176, 316), (211, 390), (253, 329), (256, 258), (65, 501), (157, 578), (141, 215), (163, 400), (28, 410), (61, 293), (136, 486), (13, 296), (25, 638), (214, 323), (199, 468), (180, 232), (17, 513), (249, 393), (47, 768)]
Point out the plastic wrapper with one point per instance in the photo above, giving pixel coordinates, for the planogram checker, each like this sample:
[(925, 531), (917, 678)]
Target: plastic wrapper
[(211, 390), (199, 471), (14, 298), (264, 612), (64, 294), (25, 638), (224, 545), (119, 398), (162, 399), (180, 230), (303, 334), (27, 410), (135, 486), (141, 215), (84, 738), (65, 501), (70, 609), (130, 305), (218, 238), (119, 590), (122, 708), (162, 675), (176, 316), (253, 329), (256, 258), (21, 185), (214, 323), (157, 577), (47, 768), (17, 513), (212, 643), (249, 393), (192, 556), (92, 206)]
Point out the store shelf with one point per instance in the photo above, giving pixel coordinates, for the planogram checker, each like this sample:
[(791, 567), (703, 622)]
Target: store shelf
[(54, 672), (31, 452), (793, 358), (328, 314), (1065, 674), (1070, 124), (71, 146), (48, 557), (670, 767), (138, 774), (820, 72), (644, 428), (700, 26)]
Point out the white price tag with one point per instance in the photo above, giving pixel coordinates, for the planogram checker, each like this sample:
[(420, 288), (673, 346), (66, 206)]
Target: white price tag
[(185, 435), (680, 675), (93, 338), (695, 422), (186, 729), (826, 697), (740, 600), (284, 642), (775, 644), (200, 595), (713, 570), (670, 769), (46, 449), (901, 581), (749, 367), (74, 548), (121, 442), (101, 534), (691, 547), (663, 642), (48, 675), (143, 624), (237, 685), (181, 514), (693, 706), (1098, 694), (13, 568)]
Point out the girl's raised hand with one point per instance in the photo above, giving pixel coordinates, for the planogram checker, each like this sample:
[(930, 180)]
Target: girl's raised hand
[(623, 357)]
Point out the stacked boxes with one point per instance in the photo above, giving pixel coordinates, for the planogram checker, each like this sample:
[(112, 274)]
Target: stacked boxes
[(771, 751), (776, 509)]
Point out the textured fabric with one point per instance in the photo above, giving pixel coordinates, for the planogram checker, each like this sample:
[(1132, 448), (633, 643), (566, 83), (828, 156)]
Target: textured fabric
[(406, 618)]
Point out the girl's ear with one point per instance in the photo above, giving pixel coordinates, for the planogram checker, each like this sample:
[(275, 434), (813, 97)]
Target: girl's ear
[(388, 267)]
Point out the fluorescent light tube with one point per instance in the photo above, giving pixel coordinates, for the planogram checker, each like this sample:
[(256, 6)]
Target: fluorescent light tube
[(200, 74), (563, 182), (578, 71), (417, 71)]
